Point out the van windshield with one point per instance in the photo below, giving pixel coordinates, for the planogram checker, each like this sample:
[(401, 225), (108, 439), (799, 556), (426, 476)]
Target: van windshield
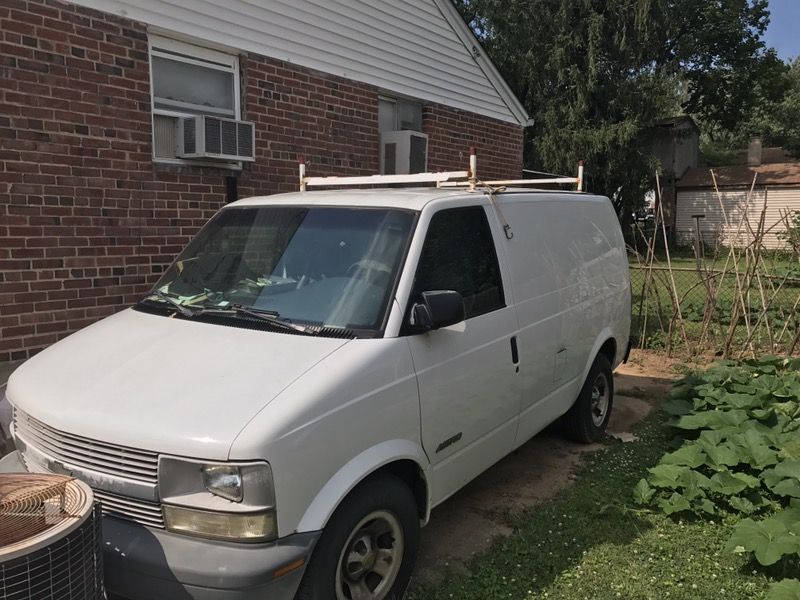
[(318, 266)]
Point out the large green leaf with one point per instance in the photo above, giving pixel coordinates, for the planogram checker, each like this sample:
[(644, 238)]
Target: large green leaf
[(742, 504), (784, 469), (666, 476), (711, 437), (787, 487), (714, 419), (790, 449), (690, 455), (677, 407), (728, 483), (682, 389), (790, 408), (788, 589), (693, 485), (754, 449), (674, 504), (790, 517), (721, 456), (742, 400), (768, 540), (643, 493), (707, 506)]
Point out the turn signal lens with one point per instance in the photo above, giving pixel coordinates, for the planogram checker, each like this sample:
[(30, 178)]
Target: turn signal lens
[(237, 527)]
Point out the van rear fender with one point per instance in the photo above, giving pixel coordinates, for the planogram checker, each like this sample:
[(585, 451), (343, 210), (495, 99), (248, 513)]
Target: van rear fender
[(361, 468), (600, 345)]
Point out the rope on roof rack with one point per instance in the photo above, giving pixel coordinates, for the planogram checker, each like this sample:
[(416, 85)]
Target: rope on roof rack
[(490, 192)]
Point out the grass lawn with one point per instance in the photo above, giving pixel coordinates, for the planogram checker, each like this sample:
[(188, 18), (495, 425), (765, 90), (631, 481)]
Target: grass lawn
[(592, 542)]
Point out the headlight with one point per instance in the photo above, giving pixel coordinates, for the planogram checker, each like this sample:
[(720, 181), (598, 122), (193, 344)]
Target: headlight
[(224, 481), (226, 501), (241, 527)]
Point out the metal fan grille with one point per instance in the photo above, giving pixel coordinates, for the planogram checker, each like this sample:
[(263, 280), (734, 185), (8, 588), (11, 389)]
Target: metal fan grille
[(50, 539), (32, 504), (71, 567)]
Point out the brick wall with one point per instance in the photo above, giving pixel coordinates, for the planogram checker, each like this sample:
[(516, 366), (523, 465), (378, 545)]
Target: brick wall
[(88, 221), (452, 132)]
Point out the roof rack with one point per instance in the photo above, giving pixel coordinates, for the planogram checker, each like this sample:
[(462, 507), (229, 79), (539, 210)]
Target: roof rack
[(468, 179)]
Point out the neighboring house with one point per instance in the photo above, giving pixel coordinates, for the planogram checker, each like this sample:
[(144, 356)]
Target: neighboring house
[(676, 145), (105, 174), (777, 186)]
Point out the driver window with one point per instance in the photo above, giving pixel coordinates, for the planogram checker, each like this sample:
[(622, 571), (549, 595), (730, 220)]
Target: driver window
[(459, 254)]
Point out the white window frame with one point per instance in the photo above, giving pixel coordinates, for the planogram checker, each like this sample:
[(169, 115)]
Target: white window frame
[(192, 54)]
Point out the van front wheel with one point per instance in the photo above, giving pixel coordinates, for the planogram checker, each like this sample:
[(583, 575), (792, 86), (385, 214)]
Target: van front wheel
[(368, 549), (586, 421)]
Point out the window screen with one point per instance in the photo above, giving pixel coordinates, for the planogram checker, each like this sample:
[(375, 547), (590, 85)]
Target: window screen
[(459, 254)]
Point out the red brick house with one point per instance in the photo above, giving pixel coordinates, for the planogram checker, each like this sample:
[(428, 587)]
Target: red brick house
[(97, 193)]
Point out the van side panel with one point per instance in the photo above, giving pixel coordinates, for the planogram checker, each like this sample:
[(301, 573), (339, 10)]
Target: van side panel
[(569, 273)]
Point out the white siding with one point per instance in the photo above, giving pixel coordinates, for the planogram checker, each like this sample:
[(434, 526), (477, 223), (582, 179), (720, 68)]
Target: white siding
[(407, 47), (714, 229)]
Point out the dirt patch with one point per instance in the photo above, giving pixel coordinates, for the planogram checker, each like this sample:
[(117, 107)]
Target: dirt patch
[(467, 524)]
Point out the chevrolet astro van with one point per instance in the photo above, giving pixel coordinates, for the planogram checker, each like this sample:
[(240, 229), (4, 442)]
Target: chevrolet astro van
[(317, 371)]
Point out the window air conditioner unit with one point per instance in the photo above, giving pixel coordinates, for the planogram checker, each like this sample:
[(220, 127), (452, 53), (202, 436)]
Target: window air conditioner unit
[(204, 136), (404, 152)]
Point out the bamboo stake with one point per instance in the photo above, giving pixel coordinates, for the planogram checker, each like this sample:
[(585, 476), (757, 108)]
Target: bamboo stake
[(674, 290)]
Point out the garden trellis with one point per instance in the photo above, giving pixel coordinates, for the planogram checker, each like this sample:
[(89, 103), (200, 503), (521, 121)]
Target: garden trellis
[(735, 300)]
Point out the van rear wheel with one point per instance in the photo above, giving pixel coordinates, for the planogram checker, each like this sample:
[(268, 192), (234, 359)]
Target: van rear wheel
[(588, 418), (368, 549)]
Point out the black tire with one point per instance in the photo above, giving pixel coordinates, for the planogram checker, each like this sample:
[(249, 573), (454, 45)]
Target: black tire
[(582, 422), (383, 494)]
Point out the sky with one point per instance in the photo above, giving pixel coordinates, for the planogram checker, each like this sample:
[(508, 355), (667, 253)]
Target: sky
[(783, 33)]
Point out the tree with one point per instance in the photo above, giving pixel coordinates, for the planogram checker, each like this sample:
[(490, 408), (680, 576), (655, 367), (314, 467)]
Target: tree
[(776, 118), (596, 75), (773, 116)]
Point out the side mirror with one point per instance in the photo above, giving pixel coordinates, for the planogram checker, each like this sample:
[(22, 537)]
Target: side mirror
[(438, 309)]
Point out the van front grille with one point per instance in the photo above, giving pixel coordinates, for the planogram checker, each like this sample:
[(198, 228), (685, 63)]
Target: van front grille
[(119, 461), (131, 509)]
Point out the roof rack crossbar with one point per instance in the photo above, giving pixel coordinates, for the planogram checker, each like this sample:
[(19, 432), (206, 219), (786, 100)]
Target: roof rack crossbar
[(386, 179), (505, 182), (442, 179)]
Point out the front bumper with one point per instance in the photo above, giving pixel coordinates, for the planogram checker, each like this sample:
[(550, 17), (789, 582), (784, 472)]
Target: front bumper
[(142, 563), (151, 564)]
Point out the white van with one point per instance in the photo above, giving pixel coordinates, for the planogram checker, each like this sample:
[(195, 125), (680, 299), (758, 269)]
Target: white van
[(316, 372)]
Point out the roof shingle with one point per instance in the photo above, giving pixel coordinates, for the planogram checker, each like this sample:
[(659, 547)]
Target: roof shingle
[(742, 176)]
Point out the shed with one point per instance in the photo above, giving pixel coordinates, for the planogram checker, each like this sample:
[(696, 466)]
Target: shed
[(777, 187)]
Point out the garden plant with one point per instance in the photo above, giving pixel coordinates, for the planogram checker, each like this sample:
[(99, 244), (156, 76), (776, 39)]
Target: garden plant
[(738, 460)]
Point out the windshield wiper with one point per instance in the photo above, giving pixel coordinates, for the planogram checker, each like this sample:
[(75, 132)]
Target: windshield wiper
[(184, 310), (270, 316)]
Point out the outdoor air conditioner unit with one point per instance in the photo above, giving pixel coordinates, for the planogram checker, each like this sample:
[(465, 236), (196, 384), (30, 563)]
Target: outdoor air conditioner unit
[(204, 136), (50, 539), (404, 152)]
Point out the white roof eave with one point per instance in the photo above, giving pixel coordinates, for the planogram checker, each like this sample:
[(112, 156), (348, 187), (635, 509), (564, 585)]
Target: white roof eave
[(467, 37)]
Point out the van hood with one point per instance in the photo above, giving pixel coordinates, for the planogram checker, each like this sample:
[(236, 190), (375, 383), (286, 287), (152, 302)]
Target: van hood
[(166, 385)]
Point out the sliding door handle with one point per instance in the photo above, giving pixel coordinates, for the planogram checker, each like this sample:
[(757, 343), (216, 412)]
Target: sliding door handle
[(514, 350)]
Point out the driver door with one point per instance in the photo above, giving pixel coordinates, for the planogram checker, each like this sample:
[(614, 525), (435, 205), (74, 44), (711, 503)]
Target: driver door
[(467, 374)]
